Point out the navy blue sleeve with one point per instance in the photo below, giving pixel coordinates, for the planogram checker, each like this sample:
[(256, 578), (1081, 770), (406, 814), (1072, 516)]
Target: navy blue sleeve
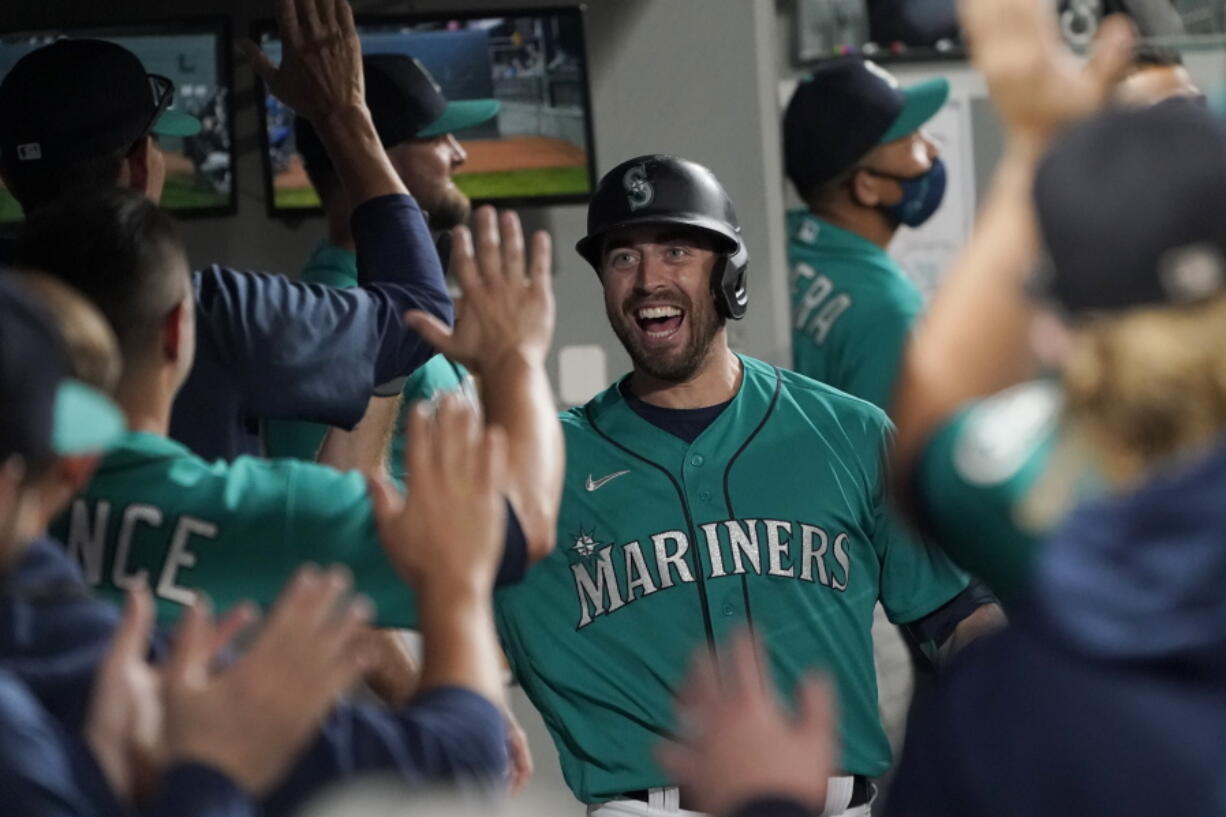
[(310, 352), (514, 552), (190, 789), (936, 627), (444, 735), (44, 771)]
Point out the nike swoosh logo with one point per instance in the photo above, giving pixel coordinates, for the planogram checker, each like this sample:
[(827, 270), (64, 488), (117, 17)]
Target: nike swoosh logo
[(597, 484)]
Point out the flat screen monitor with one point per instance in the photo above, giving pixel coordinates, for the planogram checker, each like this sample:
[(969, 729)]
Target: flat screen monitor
[(195, 55), (536, 150)]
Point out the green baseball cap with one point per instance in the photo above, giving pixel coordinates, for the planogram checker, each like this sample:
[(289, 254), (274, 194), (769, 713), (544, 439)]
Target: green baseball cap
[(85, 421), (461, 114), (920, 103)]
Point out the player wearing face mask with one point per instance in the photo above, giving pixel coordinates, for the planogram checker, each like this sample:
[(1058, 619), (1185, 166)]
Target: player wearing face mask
[(855, 151)]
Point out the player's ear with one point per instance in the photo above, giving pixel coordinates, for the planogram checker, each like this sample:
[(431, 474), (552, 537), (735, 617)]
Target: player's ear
[(175, 327), (75, 472), (136, 173), (865, 188)]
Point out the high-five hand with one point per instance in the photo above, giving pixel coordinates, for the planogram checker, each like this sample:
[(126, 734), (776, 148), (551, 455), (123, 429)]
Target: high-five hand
[(507, 305), (321, 62), (252, 719), (736, 741), (1037, 83)]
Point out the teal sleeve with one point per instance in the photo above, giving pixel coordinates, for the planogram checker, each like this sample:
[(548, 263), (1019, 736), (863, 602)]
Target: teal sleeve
[(974, 522), (293, 439), (916, 577), (329, 520), (436, 375)]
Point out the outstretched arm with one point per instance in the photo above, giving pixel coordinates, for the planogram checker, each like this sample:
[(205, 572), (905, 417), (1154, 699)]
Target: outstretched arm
[(973, 340), (502, 334), (314, 353)]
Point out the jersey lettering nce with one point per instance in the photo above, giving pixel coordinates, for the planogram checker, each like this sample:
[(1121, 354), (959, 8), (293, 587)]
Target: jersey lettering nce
[(155, 511), (775, 517)]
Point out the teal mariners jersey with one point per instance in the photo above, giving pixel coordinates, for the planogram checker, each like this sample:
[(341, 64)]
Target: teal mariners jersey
[(773, 517), (337, 267), (852, 309), (236, 529), (996, 478)]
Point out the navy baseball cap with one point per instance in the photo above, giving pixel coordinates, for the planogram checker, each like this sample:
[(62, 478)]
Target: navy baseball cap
[(843, 110), (405, 103), (1131, 206), (46, 413), (80, 99)]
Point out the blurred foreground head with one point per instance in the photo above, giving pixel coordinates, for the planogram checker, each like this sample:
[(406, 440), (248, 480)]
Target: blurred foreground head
[(53, 426), (1131, 206)]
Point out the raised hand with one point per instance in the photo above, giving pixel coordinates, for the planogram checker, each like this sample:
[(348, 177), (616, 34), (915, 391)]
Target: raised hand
[(736, 742), (507, 300), (1036, 82), (124, 724), (321, 58), (252, 719), (448, 531)]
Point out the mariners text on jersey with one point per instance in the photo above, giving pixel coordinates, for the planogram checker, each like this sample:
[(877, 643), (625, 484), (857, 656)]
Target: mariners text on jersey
[(774, 517), (733, 547)]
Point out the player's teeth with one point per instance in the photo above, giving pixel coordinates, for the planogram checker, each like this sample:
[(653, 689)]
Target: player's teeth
[(658, 312)]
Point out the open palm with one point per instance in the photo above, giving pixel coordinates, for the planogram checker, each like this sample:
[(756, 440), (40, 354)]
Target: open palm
[(1038, 84)]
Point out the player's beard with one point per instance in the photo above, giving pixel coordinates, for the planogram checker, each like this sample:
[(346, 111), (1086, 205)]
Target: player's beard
[(449, 208), (669, 365)]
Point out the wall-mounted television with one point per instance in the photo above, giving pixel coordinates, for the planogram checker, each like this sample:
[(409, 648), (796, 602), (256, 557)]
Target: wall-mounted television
[(918, 30), (195, 55), (537, 150)]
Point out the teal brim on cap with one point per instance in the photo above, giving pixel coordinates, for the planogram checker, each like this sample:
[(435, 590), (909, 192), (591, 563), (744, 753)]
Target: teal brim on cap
[(86, 422), (461, 114), (920, 103), (173, 123)]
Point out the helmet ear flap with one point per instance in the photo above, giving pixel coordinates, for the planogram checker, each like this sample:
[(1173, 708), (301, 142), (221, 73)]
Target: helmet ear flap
[(728, 281)]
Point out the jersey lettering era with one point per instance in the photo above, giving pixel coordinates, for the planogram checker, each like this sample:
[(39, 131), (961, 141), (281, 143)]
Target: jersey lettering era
[(852, 309), (774, 517)]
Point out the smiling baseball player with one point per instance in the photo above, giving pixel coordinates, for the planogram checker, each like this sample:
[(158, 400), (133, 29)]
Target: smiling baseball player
[(706, 491)]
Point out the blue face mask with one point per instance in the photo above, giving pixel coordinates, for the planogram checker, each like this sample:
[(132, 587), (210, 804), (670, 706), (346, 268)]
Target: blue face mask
[(921, 195)]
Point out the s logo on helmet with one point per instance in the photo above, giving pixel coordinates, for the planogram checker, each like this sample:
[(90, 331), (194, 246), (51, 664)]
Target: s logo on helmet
[(639, 191)]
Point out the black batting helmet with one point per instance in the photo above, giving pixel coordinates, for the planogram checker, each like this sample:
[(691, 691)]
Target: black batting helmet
[(660, 189)]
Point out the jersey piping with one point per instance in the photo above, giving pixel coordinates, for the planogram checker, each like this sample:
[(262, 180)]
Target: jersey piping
[(770, 409), (701, 583)]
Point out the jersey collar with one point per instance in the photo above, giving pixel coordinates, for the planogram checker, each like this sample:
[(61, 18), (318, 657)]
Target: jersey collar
[(336, 262), (609, 413), (813, 231), (139, 446)]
